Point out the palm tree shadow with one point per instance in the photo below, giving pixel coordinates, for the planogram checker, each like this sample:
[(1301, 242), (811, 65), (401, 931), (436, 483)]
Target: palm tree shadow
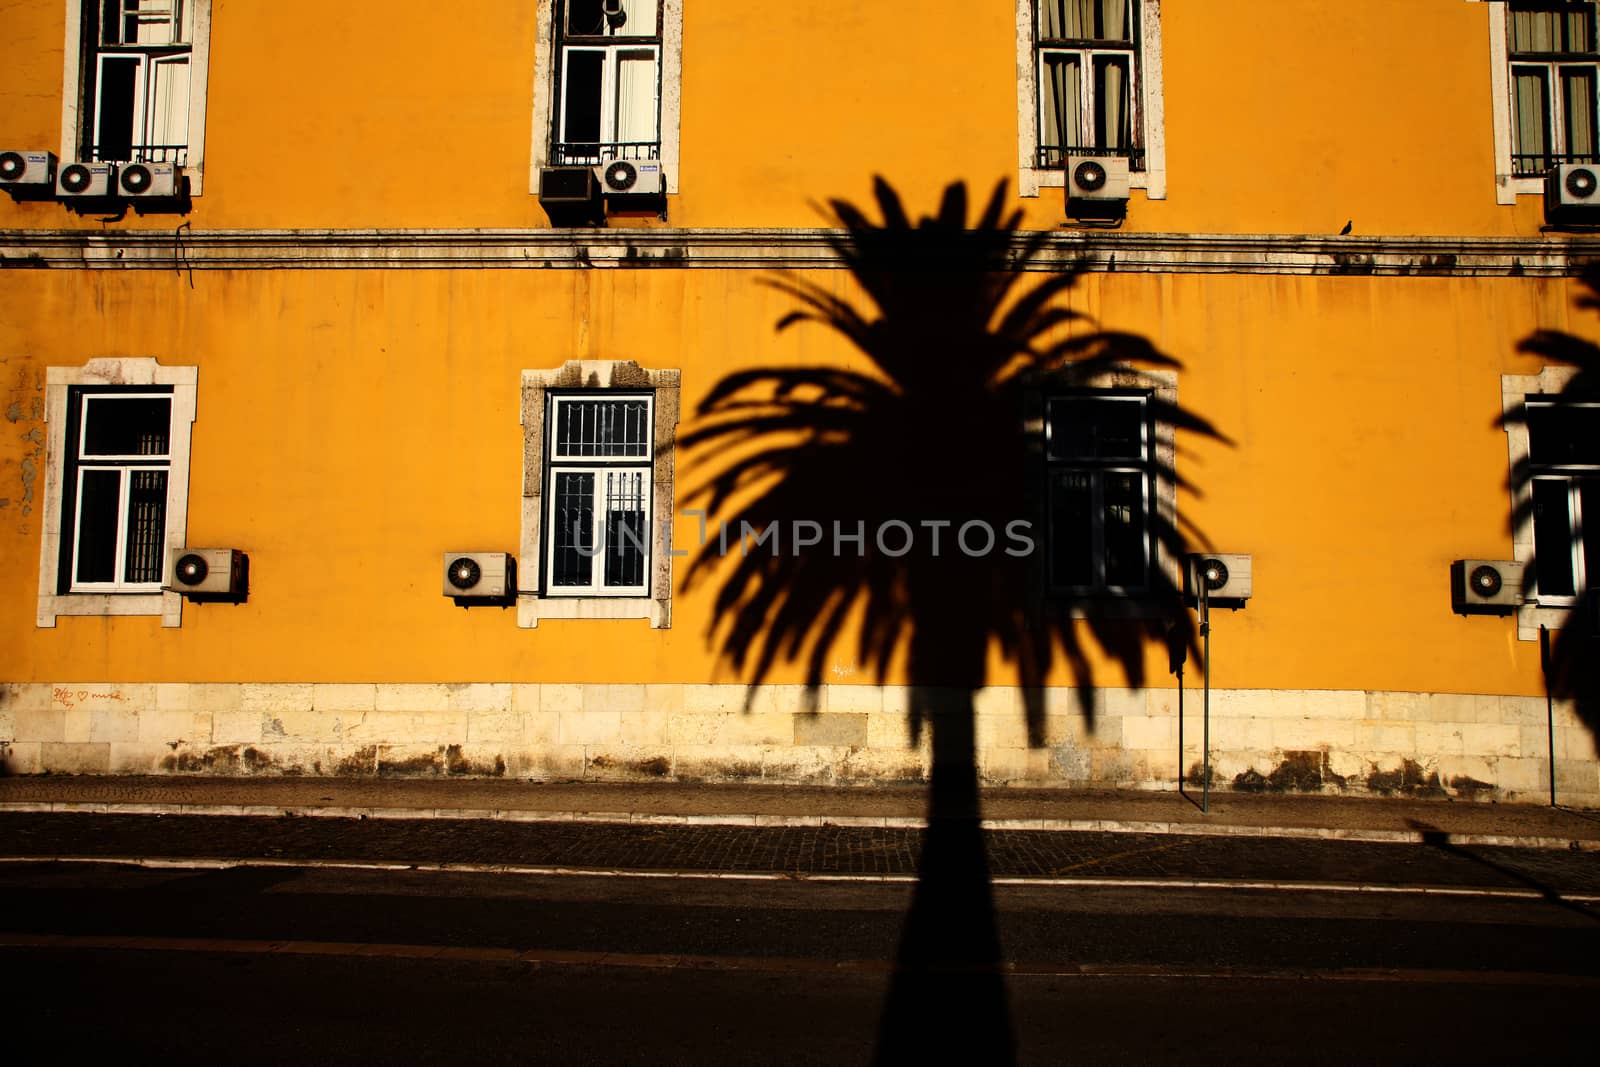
[(888, 502), (1572, 668)]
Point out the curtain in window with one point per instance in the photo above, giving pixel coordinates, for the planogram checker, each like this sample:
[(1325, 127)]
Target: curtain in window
[(636, 97), (168, 117), (1578, 87), (1101, 20), (1528, 127), (1062, 112), (1111, 94), (1552, 31)]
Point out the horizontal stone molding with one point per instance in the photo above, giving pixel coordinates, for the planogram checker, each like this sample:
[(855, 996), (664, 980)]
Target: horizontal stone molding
[(771, 249), (1472, 746)]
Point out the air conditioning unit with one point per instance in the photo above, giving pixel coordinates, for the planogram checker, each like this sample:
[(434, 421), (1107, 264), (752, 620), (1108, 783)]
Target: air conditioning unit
[(480, 576), (85, 179), (1485, 586), (19, 169), (627, 177), (570, 195), (1097, 187), (1572, 193), (153, 180), (1224, 576), (208, 573)]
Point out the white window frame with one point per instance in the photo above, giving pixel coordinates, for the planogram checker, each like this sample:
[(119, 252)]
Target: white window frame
[(75, 110), (140, 600), (103, 462), (592, 376), (601, 469), (547, 111), (1515, 389), (608, 84), (1509, 186), (1572, 479), (1145, 98)]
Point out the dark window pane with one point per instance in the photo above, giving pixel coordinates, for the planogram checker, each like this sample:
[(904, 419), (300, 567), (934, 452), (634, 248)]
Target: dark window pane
[(147, 526), (114, 134), (100, 499), (1072, 529), (573, 560), (585, 17), (133, 426), (1111, 121), (1124, 529), (614, 429), (1552, 536), (110, 21), (1562, 434), (626, 543), (1096, 428), (1589, 511), (580, 118)]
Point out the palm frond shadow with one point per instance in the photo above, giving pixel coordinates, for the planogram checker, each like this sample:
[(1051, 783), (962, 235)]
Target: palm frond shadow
[(932, 437), (1573, 669)]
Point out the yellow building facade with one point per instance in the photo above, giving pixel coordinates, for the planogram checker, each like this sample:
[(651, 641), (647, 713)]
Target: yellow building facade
[(362, 335)]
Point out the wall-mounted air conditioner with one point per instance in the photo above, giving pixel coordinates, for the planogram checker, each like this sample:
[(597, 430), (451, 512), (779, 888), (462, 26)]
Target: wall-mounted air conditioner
[(1485, 586), (628, 177), (480, 576), (1224, 576), (27, 170), (1572, 194), (86, 179), (570, 195), (153, 180), (1097, 188), (208, 573)]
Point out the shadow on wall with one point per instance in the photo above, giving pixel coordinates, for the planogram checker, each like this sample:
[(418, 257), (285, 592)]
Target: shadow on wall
[(1552, 491), (926, 463)]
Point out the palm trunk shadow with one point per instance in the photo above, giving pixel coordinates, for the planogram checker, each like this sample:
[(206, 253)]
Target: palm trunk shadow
[(947, 995)]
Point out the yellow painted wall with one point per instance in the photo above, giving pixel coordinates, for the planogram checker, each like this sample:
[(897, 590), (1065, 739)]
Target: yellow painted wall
[(353, 425), (1283, 117)]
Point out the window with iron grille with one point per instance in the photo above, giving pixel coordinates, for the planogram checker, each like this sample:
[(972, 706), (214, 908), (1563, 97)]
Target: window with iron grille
[(607, 81), (1554, 58), (598, 467), (114, 515), (136, 73), (1087, 59), (1564, 465), (1100, 493)]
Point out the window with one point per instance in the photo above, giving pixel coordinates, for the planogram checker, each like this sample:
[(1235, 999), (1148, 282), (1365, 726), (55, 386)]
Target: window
[(598, 528), (1552, 51), (116, 487), (1100, 492), (1564, 466), (1091, 84), (136, 72), (609, 81), (597, 492)]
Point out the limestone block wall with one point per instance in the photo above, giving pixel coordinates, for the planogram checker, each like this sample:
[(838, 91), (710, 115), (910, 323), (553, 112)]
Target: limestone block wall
[(1470, 746)]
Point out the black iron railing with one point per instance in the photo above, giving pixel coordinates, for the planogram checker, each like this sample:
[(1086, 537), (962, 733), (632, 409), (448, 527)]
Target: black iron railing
[(140, 153), (573, 154), (1054, 156)]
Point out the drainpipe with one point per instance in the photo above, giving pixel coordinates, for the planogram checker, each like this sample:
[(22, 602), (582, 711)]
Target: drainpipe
[(1205, 718), (1549, 705)]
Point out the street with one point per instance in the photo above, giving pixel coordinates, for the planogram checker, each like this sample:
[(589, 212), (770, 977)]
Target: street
[(260, 940)]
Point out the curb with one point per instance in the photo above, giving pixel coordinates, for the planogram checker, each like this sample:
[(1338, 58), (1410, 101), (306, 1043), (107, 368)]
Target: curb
[(879, 822)]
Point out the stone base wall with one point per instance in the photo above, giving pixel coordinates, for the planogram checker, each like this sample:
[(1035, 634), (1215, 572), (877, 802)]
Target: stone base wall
[(1469, 746)]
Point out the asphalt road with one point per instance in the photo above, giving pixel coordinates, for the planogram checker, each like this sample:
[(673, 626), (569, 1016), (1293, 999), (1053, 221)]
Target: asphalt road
[(258, 964)]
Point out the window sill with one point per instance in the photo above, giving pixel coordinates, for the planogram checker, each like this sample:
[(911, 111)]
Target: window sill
[(167, 605), (531, 609), (1151, 180)]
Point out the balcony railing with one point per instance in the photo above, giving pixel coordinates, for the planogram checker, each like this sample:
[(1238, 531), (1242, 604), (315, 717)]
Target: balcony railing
[(140, 153), (577, 154), (1054, 156), (1534, 164)]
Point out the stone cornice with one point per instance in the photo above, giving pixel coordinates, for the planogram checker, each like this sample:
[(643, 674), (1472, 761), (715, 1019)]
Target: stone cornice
[(1545, 256)]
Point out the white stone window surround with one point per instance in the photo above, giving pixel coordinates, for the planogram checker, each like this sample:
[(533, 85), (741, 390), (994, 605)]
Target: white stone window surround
[(1514, 391), (1507, 186), (199, 63), (58, 382), (544, 68), (1031, 177), (621, 375)]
